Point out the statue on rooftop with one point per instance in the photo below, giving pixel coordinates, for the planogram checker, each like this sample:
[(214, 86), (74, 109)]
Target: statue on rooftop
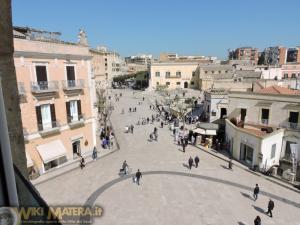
[(82, 38)]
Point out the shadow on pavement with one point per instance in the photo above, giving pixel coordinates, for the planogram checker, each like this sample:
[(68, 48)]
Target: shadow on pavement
[(258, 209), (246, 195), (241, 223), (225, 167), (185, 165)]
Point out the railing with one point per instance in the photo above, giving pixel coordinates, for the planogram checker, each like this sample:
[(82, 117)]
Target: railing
[(21, 88), (48, 126), (72, 119), (44, 86), (264, 121), (290, 125), (73, 84), (169, 76)]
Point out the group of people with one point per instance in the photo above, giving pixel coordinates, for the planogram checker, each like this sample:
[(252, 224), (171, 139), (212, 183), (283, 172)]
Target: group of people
[(125, 170), (107, 138), (191, 162), (129, 129), (132, 109)]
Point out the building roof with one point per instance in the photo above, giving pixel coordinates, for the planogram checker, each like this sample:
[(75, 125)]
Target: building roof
[(275, 89), (247, 74)]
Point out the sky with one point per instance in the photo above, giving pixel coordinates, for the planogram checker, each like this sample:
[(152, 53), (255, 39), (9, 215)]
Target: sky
[(186, 27)]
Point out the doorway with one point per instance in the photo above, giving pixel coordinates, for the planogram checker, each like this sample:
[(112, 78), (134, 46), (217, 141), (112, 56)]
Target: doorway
[(223, 113), (41, 77), (76, 149), (246, 154), (186, 84), (243, 114)]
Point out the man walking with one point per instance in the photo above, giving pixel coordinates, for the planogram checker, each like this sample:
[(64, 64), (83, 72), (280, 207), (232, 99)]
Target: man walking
[(94, 155), (255, 192), (257, 221), (197, 161), (270, 208), (124, 167), (138, 176), (191, 161), (183, 147)]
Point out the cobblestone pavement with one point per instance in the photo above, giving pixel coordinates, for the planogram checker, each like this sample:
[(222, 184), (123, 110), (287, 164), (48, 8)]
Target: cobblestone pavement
[(169, 192)]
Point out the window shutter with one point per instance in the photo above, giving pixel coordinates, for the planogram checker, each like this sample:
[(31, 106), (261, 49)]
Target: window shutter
[(79, 107), (68, 112), (39, 117), (53, 117)]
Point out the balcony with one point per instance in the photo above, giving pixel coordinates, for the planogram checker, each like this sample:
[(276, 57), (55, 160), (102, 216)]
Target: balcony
[(70, 85), (290, 126), (46, 129), (44, 87), (77, 121)]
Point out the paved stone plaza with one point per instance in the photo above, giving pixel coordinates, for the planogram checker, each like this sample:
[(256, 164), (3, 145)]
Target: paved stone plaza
[(169, 193)]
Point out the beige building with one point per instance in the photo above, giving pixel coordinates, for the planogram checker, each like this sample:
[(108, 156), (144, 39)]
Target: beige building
[(56, 98), (173, 75), (174, 57)]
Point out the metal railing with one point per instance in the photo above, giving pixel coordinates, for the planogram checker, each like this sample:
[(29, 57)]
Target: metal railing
[(21, 88), (73, 84), (264, 121), (290, 125), (48, 126), (72, 119), (44, 86)]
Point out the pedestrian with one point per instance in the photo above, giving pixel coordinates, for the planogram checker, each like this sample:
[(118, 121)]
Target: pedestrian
[(148, 119), (162, 124), (138, 176), (230, 164), (124, 167), (174, 131), (129, 109), (135, 109), (94, 155), (186, 140), (255, 192), (197, 160), (143, 98), (183, 147), (191, 161), (257, 221), (150, 106), (131, 128), (155, 130), (270, 208), (192, 140), (82, 163)]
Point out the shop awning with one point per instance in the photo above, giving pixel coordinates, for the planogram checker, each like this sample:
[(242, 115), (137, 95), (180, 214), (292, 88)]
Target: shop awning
[(29, 160), (51, 151), (205, 132)]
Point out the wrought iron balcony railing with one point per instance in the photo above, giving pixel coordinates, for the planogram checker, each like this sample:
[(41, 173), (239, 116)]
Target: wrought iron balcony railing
[(44, 86)]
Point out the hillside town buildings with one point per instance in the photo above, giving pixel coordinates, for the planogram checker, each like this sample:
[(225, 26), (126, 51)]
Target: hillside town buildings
[(244, 53), (56, 98)]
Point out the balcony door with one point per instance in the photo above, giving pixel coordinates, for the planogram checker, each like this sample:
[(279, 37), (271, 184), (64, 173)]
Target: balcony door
[(41, 77), (293, 119), (46, 116), (73, 110), (265, 116), (71, 76)]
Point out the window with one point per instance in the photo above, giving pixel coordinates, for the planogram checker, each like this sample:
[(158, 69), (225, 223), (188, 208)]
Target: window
[(219, 71), (226, 71), (46, 118), (192, 82), (293, 75), (213, 113), (177, 83), (193, 73), (167, 83), (212, 72), (157, 74), (178, 74), (205, 72), (298, 74), (265, 116), (71, 76), (168, 74), (157, 83), (273, 151), (73, 109), (285, 75), (55, 163), (41, 77)]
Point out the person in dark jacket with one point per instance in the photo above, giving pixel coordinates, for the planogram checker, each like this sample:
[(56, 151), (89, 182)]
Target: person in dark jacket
[(196, 161), (270, 208), (161, 124), (191, 161), (183, 147), (255, 192), (82, 163), (138, 176), (257, 221)]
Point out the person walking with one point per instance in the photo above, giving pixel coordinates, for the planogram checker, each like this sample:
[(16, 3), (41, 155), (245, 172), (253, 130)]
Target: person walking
[(125, 167), (197, 160), (257, 221), (162, 124), (270, 208), (82, 163), (131, 128), (191, 161), (255, 192), (183, 147), (129, 109), (94, 155), (138, 176), (230, 164)]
